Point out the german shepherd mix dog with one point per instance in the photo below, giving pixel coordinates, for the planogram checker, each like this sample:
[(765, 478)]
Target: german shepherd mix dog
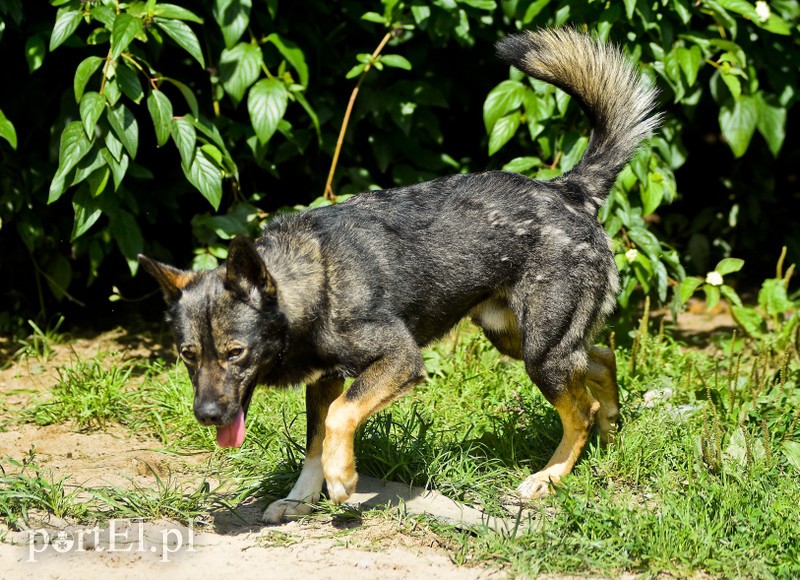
[(356, 289)]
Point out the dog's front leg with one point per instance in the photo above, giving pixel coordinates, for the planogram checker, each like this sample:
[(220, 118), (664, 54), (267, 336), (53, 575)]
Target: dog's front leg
[(306, 490), (382, 382)]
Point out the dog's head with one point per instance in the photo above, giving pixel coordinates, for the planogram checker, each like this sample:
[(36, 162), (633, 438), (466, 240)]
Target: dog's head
[(228, 330)]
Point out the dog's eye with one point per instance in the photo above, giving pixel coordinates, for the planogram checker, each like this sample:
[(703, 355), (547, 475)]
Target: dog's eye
[(234, 353), (188, 355)]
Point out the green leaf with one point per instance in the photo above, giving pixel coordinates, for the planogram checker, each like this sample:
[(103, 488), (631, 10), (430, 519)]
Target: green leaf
[(503, 130), (311, 113), (124, 30), (73, 147), (112, 91), (355, 71), (776, 25), (114, 146), (98, 180), (712, 296), (420, 13), (87, 212), (67, 21), (534, 9), (204, 260), (86, 166), (738, 123), (396, 61), (34, 52), (183, 36), (742, 7), (645, 241), (118, 167), (522, 164), (690, 60), (240, 67), (748, 319), (293, 54), (730, 294), (733, 83), (729, 266), (573, 153), (771, 122), (129, 83), (480, 4), (161, 112), (682, 10), (176, 12), (374, 17), (7, 131), (210, 131), (206, 176), (126, 233), (791, 450), (187, 93), (233, 16), (83, 73), (266, 103), (504, 98), (652, 195), (630, 6), (662, 280), (185, 138), (124, 125), (773, 298), (59, 275), (91, 107)]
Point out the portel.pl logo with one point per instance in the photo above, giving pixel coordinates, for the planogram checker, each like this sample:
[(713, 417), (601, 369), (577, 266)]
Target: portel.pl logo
[(120, 536)]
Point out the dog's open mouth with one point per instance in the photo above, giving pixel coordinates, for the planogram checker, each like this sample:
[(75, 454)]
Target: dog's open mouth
[(232, 434)]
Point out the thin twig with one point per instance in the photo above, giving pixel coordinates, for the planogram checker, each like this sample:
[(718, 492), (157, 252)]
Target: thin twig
[(328, 193)]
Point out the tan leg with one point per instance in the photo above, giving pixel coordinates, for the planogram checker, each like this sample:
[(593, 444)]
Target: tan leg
[(601, 379), (306, 490), (577, 410), (375, 388)]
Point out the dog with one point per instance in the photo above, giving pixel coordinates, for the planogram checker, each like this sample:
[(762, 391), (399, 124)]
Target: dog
[(356, 289)]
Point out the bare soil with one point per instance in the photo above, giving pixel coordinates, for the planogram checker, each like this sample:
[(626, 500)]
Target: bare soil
[(236, 544), (233, 544)]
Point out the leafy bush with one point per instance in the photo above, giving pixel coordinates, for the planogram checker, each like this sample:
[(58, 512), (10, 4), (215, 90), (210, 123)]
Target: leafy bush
[(180, 125)]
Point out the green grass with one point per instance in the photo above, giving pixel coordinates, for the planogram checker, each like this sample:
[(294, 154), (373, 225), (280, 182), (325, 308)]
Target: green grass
[(89, 393), (706, 479), (25, 487)]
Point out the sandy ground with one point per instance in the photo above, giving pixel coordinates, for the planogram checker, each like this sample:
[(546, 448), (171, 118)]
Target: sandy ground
[(236, 545), (225, 543)]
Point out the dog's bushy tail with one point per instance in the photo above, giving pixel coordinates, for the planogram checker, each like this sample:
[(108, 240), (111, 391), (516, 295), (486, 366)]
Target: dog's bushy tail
[(620, 103)]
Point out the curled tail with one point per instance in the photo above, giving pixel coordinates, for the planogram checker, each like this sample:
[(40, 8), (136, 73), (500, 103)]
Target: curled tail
[(620, 103)]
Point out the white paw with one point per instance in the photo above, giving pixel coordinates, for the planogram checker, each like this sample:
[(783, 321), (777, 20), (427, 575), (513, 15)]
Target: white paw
[(536, 486), (286, 509)]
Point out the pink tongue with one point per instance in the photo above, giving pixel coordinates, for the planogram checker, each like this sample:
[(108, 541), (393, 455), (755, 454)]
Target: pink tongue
[(232, 435)]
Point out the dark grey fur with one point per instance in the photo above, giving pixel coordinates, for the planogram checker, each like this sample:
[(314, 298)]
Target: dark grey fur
[(338, 290)]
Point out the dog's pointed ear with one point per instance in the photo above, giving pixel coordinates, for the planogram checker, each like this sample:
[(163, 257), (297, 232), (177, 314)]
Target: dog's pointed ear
[(245, 270), (172, 280)]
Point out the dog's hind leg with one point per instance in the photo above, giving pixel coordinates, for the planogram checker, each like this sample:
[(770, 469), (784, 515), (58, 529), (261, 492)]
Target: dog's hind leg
[(601, 378), (556, 322), (397, 370), (306, 490), (577, 410)]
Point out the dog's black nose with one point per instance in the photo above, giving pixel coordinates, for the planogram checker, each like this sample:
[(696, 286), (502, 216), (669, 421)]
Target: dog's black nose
[(207, 412)]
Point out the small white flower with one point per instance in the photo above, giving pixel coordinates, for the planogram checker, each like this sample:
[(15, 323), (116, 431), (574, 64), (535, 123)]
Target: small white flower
[(632, 254), (763, 11), (714, 279)]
